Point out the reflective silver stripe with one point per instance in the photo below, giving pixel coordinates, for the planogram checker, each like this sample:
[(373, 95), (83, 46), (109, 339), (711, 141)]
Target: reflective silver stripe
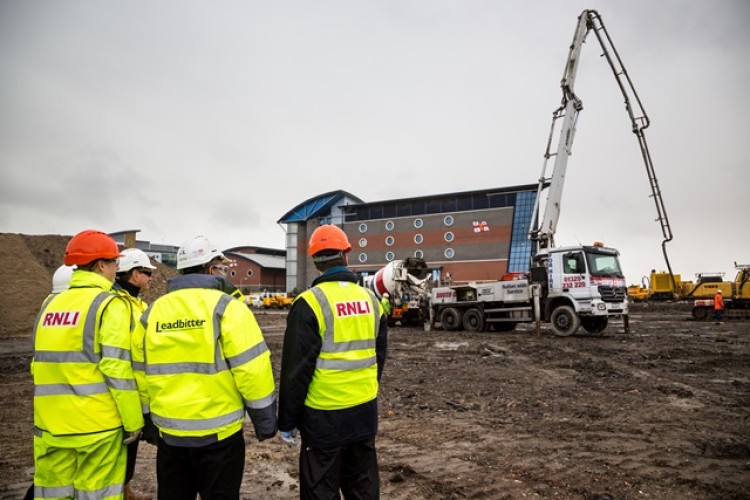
[(144, 317), (77, 389), (115, 353), (144, 324), (258, 404), (138, 365), (376, 307), (177, 368), (61, 357), (38, 318), (121, 384), (221, 306), (325, 308), (184, 424), (54, 492), (248, 355), (350, 364), (116, 489), (352, 345), (89, 329), (146, 408), (38, 432)]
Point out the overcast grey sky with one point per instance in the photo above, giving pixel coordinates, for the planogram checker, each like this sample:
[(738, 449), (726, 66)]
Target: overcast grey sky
[(183, 117)]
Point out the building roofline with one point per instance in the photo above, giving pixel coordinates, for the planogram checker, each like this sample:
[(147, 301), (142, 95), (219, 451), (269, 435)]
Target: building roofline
[(489, 192), (313, 206)]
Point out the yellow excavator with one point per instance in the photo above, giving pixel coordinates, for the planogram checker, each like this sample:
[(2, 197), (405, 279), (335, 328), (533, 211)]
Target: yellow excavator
[(660, 287), (736, 295)]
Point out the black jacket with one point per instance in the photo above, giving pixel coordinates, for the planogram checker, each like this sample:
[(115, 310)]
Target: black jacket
[(302, 344)]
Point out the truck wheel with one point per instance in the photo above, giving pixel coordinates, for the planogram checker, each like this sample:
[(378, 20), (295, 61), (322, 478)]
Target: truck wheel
[(565, 321), (473, 320), (451, 318), (594, 324), (700, 313)]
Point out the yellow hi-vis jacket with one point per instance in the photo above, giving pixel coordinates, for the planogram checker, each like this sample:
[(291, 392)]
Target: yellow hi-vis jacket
[(137, 305), (83, 378), (201, 361), (346, 372)]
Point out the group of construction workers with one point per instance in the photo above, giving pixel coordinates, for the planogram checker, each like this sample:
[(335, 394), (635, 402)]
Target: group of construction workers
[(184, 372)]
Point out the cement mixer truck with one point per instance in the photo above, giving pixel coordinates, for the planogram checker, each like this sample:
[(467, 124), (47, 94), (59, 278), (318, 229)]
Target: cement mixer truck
[(406, 283)]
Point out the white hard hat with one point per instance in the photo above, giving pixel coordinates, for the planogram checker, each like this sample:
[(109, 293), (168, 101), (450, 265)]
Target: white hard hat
[(132, 258), (61, 278), (386, 295), (718, 291), (198, 251)]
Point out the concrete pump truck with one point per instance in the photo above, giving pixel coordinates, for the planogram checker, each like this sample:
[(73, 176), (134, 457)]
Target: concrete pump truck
[(568, 287)]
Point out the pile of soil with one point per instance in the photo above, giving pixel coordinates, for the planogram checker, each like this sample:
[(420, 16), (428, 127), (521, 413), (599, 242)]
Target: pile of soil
[(27, 264)]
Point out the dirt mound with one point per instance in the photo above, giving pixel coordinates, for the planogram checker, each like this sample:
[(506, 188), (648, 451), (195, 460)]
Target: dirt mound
[(26, 266)]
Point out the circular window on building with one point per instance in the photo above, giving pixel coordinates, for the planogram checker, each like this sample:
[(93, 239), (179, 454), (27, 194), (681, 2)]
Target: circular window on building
[(418, 239), (363, 228), (418, 223), (419, 254), (233, 274), (389, 225), (448, 236), (448, 220), (363, 257), (389, 256), (362, 242), (389, 240), (449, 253), (249, 272)]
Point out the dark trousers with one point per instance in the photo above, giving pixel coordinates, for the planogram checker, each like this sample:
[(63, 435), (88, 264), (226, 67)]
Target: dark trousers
[(214, 471), (353, 469), (132, 454)]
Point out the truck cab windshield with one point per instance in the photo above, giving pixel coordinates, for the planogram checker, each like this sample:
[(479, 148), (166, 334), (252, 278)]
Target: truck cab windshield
[(601, 264)]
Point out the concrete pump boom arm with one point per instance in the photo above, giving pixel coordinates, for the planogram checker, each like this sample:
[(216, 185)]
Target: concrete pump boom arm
[(542, 232)]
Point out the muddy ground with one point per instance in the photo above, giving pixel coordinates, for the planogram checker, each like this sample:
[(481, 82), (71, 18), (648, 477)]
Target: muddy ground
[(661, 412)]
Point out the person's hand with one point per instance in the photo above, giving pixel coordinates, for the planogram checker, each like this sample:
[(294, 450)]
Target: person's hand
[(150, 431), (288, 437), (131, 436)]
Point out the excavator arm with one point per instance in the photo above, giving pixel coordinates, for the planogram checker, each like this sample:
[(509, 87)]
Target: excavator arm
[(543, 228)]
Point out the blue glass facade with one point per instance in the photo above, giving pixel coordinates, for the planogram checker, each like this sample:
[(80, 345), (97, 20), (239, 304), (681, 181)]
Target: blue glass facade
[(520, 245)]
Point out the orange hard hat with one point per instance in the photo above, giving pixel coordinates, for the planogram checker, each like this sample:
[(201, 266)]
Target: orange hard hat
[(328, 237), (88, 246)]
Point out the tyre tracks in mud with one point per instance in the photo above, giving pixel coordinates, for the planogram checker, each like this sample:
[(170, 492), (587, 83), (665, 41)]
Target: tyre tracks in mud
[(659, 412)]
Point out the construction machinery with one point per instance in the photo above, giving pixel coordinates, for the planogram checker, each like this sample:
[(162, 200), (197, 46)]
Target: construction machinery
[(736, 295), (661, 286), (406, 283), (276, 301), (568, 287)]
